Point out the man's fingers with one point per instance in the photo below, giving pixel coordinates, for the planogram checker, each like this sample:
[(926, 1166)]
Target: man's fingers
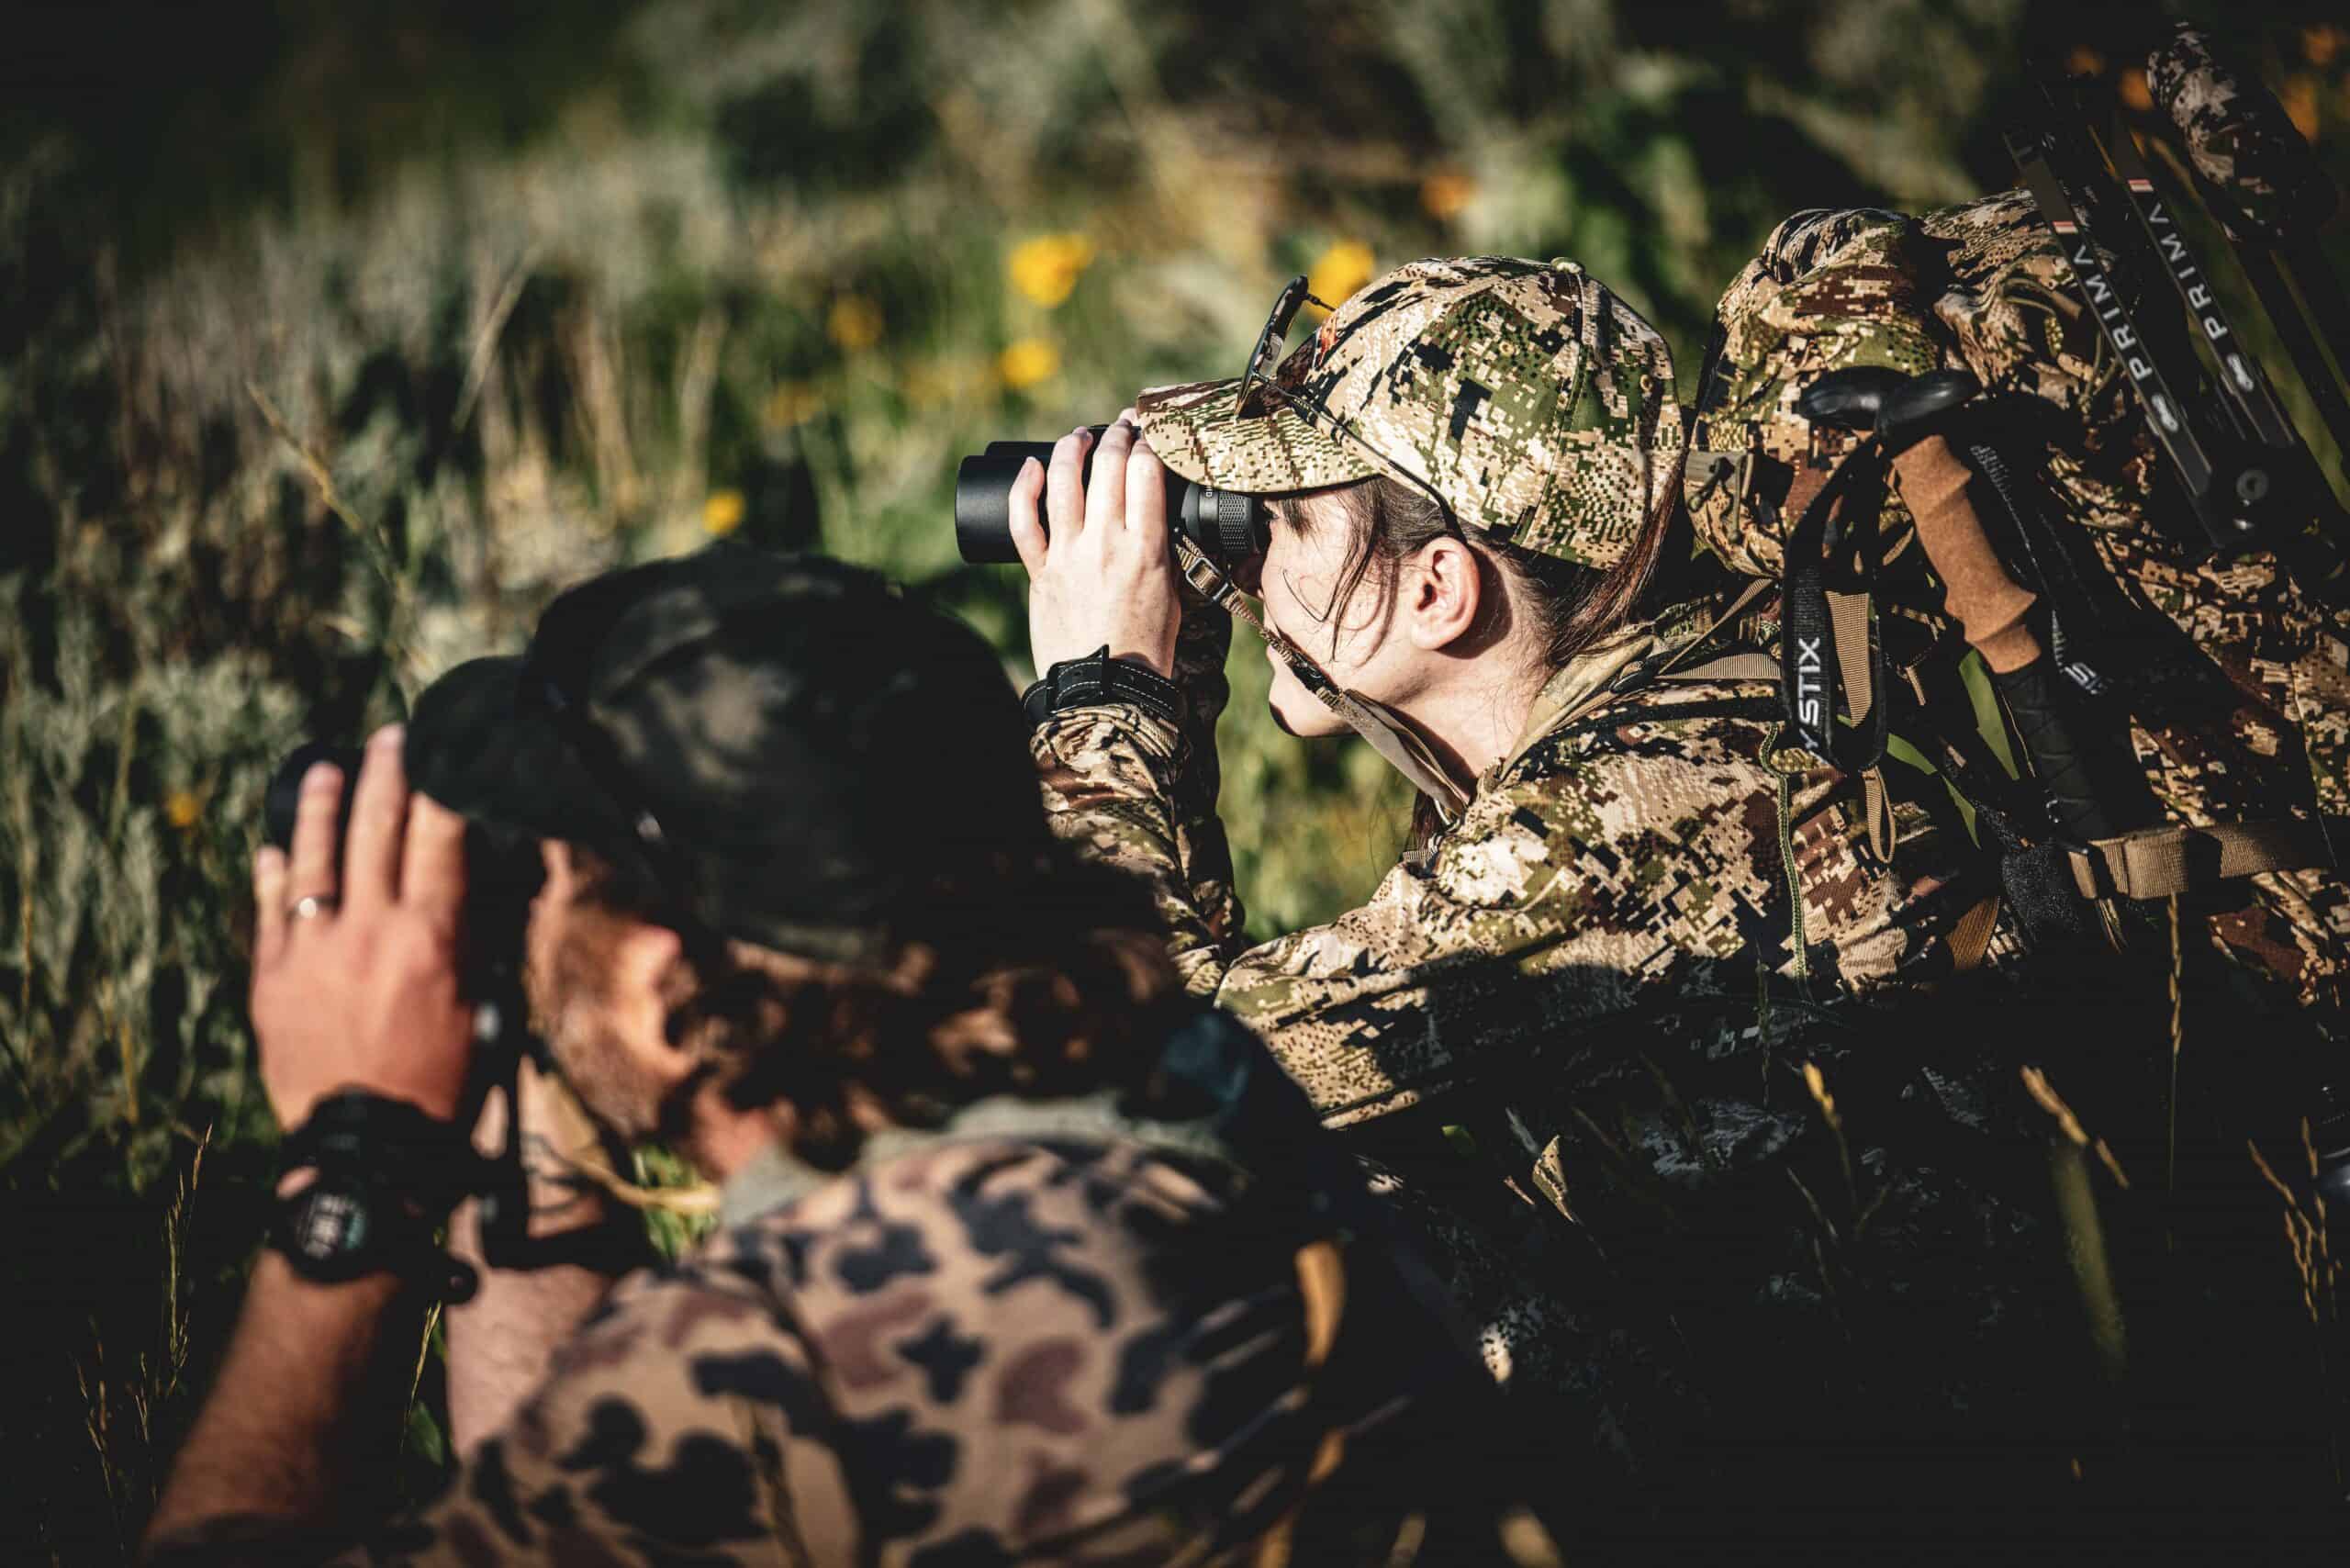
[(269, 905), (371, 852), (316, 812), (1065, 486), (432, 868), (1105, 495), (1027, 526), (1147, 500)]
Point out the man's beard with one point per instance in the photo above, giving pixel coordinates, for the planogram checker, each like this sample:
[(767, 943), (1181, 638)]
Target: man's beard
[(571, 1011)]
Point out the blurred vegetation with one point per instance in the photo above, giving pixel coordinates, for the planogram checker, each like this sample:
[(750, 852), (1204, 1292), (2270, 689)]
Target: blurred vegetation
[(334, 340)]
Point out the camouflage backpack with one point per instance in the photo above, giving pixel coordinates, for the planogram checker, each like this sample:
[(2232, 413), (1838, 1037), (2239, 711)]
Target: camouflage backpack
[(2224, 687)]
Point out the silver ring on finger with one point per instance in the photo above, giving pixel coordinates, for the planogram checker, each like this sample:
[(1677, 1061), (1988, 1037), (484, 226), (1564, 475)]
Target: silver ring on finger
[(311, 905)]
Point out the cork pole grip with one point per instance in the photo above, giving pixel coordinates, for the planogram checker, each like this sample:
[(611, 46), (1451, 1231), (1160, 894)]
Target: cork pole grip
[(1987, 602)]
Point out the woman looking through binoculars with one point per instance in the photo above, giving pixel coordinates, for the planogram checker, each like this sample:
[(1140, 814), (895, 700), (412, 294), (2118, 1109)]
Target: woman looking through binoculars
[(1616, 1029)]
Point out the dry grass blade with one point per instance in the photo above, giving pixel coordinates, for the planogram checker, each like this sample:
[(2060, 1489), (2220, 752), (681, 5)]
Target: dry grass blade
[(696, 1201), (2092, 1269), (509, 293), (2036, 1084)]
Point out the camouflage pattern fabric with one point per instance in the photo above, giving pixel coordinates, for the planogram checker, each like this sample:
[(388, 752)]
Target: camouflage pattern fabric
[(1682, 1150), (982, 1350), (1831, 291), (2238, 136), (1979, 287), (2237, 699), (1538, 405)]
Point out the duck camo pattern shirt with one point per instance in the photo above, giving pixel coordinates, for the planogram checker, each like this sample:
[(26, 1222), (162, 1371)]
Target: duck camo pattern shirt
[(987, 1351)]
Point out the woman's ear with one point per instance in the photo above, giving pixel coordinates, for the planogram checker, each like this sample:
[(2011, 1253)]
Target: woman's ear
[(1442, 593)]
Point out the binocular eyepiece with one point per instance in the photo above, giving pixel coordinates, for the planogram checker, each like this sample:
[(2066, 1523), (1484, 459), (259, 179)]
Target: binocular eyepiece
[(1227, 526)]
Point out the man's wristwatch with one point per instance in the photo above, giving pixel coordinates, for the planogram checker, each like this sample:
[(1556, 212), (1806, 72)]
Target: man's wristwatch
[(339, 1227), (385, 1177), (1097, 679)]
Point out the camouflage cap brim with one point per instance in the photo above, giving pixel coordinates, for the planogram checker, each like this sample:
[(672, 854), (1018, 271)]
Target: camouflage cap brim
[(1524, 396), (1197, 431)]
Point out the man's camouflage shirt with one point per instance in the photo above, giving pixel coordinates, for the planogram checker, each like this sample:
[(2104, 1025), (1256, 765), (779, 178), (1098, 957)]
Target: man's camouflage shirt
[(975, 1348)]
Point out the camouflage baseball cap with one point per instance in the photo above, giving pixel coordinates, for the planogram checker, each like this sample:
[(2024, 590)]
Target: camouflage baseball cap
[(1534, 403)]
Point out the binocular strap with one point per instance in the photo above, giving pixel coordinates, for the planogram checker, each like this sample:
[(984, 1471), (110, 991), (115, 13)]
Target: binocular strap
[(1388, 734)]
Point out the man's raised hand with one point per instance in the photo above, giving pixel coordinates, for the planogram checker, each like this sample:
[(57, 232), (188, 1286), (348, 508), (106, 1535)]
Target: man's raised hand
[(355, 973)]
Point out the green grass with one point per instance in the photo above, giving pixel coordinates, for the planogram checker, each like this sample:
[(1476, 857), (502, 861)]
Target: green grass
[(384, 348)]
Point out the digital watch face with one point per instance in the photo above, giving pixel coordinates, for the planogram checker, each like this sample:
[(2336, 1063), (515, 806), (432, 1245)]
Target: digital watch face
[(324, 1232), (331, 1223)]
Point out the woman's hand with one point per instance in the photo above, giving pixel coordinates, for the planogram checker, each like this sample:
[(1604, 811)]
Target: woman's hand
[(1105, 571), (355, 986)]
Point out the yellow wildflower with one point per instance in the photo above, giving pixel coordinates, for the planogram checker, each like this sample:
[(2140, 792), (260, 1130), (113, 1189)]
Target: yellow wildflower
[(1028, 362), (1044, 269), (1445, 194), (1343, 268), (931, 383), (181, 808), (854, 323), (2300, 98), (721, 515), (793, 403)]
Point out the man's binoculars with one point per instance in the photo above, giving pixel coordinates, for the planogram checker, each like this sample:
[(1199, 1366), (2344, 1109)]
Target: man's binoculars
[(1227, 526)]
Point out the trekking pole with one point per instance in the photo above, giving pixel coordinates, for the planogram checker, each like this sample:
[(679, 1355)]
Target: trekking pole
[(1910, 422)]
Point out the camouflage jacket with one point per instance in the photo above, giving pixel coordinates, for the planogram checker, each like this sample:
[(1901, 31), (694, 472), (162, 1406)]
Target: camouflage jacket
[(2233, 684), (1030, 1336), (1692, 1139)]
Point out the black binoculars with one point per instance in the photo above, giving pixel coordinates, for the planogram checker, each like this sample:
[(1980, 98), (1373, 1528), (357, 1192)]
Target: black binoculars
[(1227, 526)]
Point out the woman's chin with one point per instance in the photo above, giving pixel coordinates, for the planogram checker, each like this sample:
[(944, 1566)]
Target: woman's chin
[(1298, 714)]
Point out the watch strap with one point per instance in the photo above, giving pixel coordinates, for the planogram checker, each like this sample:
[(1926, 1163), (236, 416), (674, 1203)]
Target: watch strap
[(1097, 679), (385, 1176), (339, 1228), (386, 1143)]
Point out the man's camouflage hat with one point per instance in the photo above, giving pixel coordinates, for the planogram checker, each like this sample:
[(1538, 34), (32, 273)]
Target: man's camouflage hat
[(760, 734), (1536, 403)]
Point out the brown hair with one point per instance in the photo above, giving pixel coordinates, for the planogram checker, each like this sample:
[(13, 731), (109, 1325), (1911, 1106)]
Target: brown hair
[(1057, 991), (1578, 608)]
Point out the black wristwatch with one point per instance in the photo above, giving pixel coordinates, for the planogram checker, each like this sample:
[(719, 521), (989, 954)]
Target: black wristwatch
[(337, 1229), (1097, 679), (386, 1176)]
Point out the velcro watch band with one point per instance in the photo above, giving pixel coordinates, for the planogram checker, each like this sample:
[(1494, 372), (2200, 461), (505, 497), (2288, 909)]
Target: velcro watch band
[(386, 1143), (1098, 678)]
